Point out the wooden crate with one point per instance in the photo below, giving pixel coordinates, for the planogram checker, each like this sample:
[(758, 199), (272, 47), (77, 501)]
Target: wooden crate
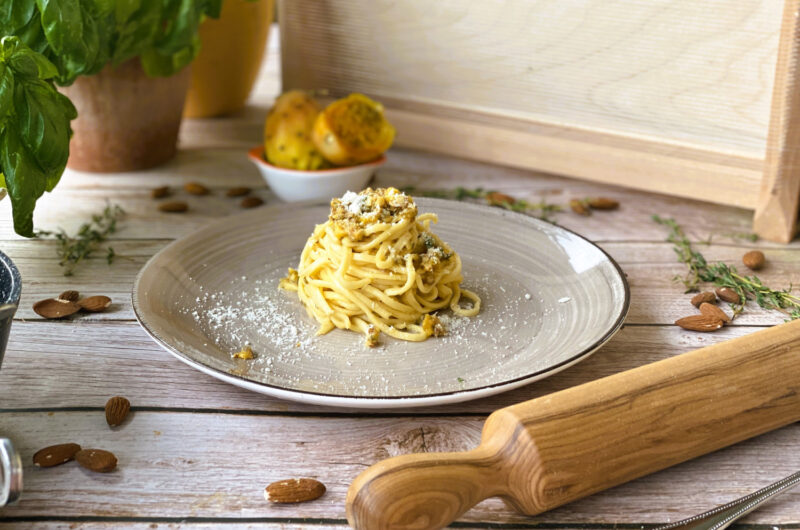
[(694, 99)]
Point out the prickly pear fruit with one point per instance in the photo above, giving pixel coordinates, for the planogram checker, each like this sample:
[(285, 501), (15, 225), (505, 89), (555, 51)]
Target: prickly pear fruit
[(287, 132), (352, 131)]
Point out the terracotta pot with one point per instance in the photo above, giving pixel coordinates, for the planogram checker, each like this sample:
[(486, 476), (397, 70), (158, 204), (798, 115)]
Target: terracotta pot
[(126, 120), (232, 49)]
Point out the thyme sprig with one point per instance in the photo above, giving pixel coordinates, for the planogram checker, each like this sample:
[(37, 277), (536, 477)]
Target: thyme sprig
[(723, 275), (90, 236), (541, 209)]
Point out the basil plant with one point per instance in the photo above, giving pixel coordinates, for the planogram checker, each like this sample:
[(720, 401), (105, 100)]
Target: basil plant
[(44, 43)]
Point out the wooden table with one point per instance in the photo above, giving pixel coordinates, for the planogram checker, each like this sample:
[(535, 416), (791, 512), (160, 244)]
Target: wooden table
[(197, 453)]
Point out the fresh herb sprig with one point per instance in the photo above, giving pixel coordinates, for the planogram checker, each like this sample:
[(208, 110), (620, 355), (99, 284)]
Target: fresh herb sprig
[(723, 275), (90, 236), (542, 209)]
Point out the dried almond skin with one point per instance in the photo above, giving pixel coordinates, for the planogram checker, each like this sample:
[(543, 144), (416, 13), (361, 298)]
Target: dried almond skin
[(53, 308), (55, 455), (159, 192), (497, 198), (294, 490), (603, 203), (96, 460), (712, 311), (579, 207), (195, 188), (706, 297), (699, 323), (69, 296), (117, 409), (728, 295), (241, 191), (754, 260), (251, 202), (173, 207), (95, 304)]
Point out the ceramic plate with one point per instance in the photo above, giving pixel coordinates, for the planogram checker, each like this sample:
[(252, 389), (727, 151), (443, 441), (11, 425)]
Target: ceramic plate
[(550, 299)]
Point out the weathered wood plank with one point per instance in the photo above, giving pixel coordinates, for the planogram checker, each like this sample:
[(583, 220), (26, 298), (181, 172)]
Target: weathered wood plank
[(81, 194), (54, 365), (263, 524), (216, 465), (656, 298)]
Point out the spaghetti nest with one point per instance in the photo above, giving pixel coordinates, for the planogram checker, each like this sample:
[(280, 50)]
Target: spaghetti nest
[(375, 267)]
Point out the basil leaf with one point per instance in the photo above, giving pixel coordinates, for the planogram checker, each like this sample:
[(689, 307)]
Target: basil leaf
[(24, 180), (63, 22), (28, 63), (6, 94), (32, 34), (139, 30), (14, 14), (43, 126)]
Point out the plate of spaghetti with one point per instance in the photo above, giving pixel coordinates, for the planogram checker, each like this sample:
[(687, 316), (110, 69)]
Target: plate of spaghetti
[(380, 300)]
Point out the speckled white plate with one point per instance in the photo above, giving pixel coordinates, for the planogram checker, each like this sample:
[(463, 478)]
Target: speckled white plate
[(550, 299)]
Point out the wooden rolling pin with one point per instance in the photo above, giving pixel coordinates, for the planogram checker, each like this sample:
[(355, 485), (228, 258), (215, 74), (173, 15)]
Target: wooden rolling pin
[(560, 447)]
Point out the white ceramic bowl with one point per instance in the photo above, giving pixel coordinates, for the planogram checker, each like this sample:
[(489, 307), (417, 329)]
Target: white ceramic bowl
[(292, 185)]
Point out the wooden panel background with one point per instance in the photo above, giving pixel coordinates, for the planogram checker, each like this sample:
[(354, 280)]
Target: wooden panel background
[(679, 71)]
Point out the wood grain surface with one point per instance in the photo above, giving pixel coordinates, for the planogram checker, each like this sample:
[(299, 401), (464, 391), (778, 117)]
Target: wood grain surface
[(196, 453)]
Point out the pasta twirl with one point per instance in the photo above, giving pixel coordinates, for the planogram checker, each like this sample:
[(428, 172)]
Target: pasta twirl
[(375, 267)]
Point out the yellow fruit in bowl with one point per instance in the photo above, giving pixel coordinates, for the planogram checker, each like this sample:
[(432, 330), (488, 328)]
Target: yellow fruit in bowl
[(287, 132), (352, 130)]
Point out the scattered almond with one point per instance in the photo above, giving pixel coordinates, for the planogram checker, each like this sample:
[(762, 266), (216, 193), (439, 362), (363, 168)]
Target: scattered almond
[(244, 353), (294, 490), (95, 304), (54, 308), (173, 207), (706, 297), (69, 296), (251, 202), (497, 198), (159, 192), (237, 192), (712, 311), (195, 188), (579, 207), (729, 295), (754, 260), (55, 455), (603, 203), (96, 460), (117, 409), (699, 323)]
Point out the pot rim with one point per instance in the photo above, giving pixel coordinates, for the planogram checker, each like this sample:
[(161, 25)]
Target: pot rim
[(7, 268)]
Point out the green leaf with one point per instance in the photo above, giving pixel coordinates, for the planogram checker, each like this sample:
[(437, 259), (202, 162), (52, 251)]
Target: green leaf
[(28, 63), (72, 35), (25, 180), (32, 34), (14, 14), (138, 31), (43, 126), (6, 94)]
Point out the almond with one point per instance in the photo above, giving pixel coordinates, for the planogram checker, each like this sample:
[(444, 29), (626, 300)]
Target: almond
[(497, 198), (237, 192), (754, 260), (603, 203), (699, 323), (53, 308), (96, 460), (195, 188), (729, 295), (69, 296), (706, 297), (251, 202), (95, 304), (159, 192), (579, 207), (294, 490), (712, 311), (117, 409), (173, 207), (55, 455)]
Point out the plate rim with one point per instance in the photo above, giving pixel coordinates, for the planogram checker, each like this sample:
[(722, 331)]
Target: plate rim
[(352, 401)]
